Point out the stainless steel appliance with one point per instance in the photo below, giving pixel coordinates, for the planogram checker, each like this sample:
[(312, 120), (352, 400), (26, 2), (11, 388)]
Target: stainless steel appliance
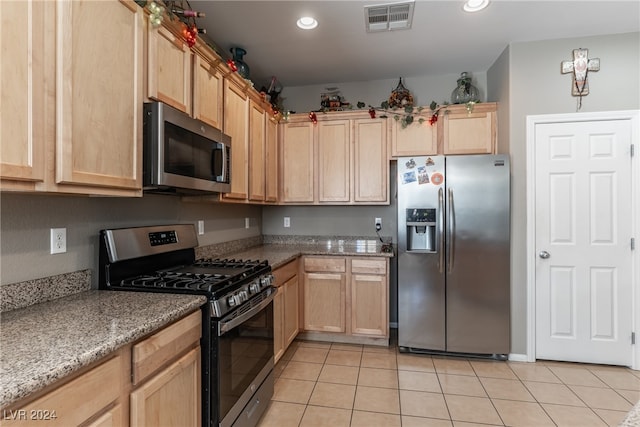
[(182, 154), (237, 333), (453, 254)]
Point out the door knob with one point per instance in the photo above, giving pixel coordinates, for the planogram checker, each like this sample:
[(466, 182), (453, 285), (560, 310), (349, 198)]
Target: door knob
[(544, 254)]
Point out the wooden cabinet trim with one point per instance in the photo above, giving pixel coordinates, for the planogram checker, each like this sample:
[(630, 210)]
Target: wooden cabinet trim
[(156, 351)]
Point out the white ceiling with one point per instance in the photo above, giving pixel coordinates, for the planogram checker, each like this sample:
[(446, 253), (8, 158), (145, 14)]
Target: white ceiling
[(443, 39)]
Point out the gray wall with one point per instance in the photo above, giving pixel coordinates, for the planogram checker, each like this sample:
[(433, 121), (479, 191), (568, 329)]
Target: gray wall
[(26, 220), (424, 89), (526, 80)]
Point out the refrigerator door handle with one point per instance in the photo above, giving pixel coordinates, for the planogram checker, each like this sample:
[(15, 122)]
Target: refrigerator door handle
[(441, 230), (450, 238)]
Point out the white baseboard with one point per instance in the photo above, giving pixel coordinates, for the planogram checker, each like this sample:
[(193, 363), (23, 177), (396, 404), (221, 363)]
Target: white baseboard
[(514, 357)]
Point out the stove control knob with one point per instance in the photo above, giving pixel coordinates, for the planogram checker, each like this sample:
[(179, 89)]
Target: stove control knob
[(254, 288), (231, 301), (266, 280), (243, 296)]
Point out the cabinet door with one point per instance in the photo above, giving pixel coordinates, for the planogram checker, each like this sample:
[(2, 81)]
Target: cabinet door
[(22, 91), (236, 122), (171, 398), (324, 302), (291, 322), (296, 160), (99, 94), (168, 68), (334, 161), (466, 132), (417, 139), (271, 160), (369, 304), (278, 324), (207, 92), (370, 161), (256, 152)]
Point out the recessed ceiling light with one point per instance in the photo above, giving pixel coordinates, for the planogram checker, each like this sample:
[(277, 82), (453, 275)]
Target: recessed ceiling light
[(307, 23), (475, 5)]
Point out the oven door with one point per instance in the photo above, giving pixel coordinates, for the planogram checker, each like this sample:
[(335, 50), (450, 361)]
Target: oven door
[(244, 356)]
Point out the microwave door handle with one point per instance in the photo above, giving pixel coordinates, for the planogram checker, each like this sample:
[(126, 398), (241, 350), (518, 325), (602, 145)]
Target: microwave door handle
[(214, 155), (212, 165), (223, 169)]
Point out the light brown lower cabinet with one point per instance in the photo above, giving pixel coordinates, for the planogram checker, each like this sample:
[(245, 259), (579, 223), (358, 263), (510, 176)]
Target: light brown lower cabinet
[(346, 299), (171, 398), (286, 324), (164, 389)]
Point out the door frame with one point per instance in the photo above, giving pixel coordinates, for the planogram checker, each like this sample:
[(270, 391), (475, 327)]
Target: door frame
[(634, 117)]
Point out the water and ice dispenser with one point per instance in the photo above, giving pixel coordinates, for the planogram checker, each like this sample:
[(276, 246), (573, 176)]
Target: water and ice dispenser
[(421, 229)]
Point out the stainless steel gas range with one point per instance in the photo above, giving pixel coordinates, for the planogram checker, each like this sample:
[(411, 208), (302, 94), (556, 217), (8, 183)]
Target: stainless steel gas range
[(237, 332)]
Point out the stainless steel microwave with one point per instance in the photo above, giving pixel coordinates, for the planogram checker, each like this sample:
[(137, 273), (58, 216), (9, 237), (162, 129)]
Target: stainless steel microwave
[(183, 155)]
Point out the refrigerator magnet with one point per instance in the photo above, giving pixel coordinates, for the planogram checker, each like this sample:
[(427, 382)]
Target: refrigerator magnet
[(423, 176), (437, 178), (409, 177)]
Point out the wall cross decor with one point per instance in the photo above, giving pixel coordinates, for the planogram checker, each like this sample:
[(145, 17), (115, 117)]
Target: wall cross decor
[(580, 67)]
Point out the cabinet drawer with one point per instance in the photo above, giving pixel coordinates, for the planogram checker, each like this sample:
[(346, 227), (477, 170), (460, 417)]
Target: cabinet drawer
[(76, 401), (286, 272), (370, 266), (336, 265), (159, 349)]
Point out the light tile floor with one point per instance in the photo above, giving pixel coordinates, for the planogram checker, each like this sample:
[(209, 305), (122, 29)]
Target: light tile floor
[(335, 385)]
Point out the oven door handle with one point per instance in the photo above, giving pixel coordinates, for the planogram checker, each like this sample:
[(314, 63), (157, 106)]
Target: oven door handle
[(226, 325)]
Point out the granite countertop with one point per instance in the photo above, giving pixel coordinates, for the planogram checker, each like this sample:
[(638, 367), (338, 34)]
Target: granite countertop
[(45, 342), (278, 254)]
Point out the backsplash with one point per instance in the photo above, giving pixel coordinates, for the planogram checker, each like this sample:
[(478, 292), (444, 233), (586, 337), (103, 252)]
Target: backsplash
[(23, 294)]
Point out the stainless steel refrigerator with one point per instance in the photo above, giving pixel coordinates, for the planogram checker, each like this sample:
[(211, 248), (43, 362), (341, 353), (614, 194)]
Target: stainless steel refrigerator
[(453, 254)]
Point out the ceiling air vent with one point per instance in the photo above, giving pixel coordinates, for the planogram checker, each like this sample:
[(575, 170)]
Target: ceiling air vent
[(386, 17)]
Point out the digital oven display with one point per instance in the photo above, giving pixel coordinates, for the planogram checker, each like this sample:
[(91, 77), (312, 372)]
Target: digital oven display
[(163, 238)]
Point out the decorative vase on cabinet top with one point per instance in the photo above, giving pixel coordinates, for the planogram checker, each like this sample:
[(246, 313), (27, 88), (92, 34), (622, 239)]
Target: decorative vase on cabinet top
[(464, 91), (238, 53)]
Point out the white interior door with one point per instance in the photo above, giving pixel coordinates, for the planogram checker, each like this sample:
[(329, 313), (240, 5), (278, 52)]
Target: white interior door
[(583, 230)]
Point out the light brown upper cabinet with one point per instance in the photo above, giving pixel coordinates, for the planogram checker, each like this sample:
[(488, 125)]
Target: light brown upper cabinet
[(99, 97), (334, 161), (271, 160), (468, 132), (22, 95), (236, 125), (416, 139), (257, 151), (370, 161), (169, 61), (208, 88), (297, 162), (83, 114), (340, 160), (457, 131)]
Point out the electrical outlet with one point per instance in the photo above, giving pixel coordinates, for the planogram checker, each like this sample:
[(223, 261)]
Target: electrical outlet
[(246, 222), (200, 227), (287, 222), (378, 224), (58, 240)]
